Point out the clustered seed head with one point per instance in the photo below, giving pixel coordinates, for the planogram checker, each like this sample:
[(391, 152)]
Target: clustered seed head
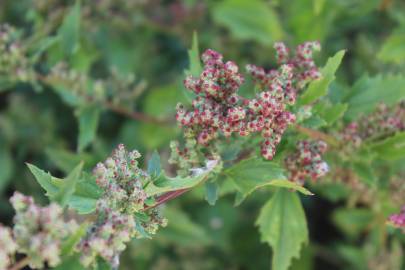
[(122, 181), (123, 196), (219, 110), (398, 220), (384, 121), (7, 247), (39, 231), (14, 63), (306, 161), (107, 237)]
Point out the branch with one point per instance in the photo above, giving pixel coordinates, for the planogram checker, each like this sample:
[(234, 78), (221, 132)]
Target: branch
[(167, 197), (20, 264), (318, 135)]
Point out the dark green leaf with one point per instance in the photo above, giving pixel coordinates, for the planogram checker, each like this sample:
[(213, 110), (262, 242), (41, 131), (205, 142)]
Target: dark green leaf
[(282, 224), (69, 31), (249, 20), (391, 148), (88, 122), (68, 186), (319, 88)]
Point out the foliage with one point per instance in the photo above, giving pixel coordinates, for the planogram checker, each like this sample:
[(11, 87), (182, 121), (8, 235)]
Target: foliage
[(314, 155)]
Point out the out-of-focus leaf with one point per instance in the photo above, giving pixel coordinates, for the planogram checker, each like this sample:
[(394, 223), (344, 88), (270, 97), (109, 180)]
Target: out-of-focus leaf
[(69, 31), (318, 6), (194, 58), (67, 160), (154, 166), (282, 224), (352, 221), (88, 123), (249, 20), (69, 263), (393, 49), (391, 148), (330, 113), (6, 167), (367, 92), (182, 230), (365, 173), (319, 88)]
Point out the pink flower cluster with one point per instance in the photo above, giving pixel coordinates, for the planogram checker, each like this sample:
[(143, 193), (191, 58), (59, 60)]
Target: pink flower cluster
[(306, 161), (398, 220), (383, 121), (7, 247), (219, 110)]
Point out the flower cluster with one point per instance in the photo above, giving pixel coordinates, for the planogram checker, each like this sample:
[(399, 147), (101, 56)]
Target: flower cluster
[(306, 161), (117, 87), (7, 247), (38, 231), (122, 182), (398, 220), (14, 63), (219, 110), (383, 122)]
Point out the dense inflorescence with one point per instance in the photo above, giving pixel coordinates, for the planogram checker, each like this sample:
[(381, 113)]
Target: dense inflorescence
[(219, 110), (385, 121), (306, 162), (122, 182), (14, 63), (39, 231), (7, 247), (398, 220)]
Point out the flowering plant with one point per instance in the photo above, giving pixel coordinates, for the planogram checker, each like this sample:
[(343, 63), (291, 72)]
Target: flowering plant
[(275, 138)]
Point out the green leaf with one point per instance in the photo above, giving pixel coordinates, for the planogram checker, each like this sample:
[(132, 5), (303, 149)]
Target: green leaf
[(319, 88), (154, 167), (6, 167), (282, 224), (251, 174), (211, 192), (393, 48), (69, 31), (67, 160), (367, 92), (68, 186), (290, 185), (330, 113), (44, 179), (365, 173), (69, 244), (88, 122), (165, 184), (391, 148), (352, 221), (183, 231), (195, 67), (318, 6), (69, 263), (249, 20), (86, 194)]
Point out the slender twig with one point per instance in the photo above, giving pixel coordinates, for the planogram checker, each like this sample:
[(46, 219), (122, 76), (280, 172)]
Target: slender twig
[(20, 264), (134, 115), (315, 134)]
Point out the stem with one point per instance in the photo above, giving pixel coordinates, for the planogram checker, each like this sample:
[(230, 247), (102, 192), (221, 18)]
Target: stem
[(134, 115), (315, 134), (167, 197), (20, 264)]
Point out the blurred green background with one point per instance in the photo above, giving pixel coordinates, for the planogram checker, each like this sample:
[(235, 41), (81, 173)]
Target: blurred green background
[(149, 41)]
